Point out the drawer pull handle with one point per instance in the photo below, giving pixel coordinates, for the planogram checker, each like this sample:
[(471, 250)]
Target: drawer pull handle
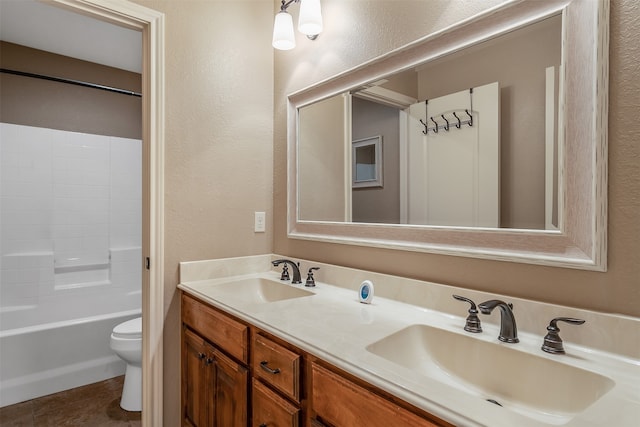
[(264, 366)]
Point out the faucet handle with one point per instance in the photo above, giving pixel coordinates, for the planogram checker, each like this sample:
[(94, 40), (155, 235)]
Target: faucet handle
[(473, 323), (552, 341), (310, 280), (285, 272)]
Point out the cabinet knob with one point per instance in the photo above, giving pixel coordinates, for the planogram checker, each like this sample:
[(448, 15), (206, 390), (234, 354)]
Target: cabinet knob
[(209, 361), (200, 356), (265, 367)]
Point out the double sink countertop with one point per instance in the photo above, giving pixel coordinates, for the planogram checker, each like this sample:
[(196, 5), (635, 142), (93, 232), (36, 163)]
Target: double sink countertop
[(384, 344)]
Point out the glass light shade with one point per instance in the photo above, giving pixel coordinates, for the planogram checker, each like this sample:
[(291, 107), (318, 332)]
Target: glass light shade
[(283, 37), (310, 19)]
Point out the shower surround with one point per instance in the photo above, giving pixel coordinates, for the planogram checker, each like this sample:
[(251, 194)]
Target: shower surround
[(70, 222)]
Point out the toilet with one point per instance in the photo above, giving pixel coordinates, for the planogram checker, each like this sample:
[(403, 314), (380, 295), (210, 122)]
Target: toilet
[(126, 341)]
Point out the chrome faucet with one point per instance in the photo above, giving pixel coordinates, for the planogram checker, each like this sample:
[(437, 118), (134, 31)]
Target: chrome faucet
[(295, 267), (508, 329)]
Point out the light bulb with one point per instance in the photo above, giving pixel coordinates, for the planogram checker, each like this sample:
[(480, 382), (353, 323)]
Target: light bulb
[(310, 19), (283, 37)]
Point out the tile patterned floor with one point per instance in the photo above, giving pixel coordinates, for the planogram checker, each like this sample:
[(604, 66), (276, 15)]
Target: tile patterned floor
[(93, 405)]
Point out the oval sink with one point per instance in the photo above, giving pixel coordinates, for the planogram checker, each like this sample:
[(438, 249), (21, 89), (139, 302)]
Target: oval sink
[(257, 290), (534, 386)]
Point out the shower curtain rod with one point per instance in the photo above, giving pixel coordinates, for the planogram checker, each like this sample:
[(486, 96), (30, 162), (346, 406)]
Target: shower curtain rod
[(70, 81)]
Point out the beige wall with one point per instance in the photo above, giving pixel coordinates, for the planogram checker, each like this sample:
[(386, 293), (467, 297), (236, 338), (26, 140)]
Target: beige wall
[(357, 31), (42, 103), (321, 160), (218, 145)]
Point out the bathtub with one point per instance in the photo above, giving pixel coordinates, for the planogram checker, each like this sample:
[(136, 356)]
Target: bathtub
[(44, 359)]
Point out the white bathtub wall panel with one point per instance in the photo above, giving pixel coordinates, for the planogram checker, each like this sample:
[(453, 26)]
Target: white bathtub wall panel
[(82, 277), (25, 159), (9, 137), (18, 293), (81, 216), (28, 260), (125, 254), (26, 172), (15, 316), (26, 246), (80, 191), (25, 278), (22, 227), (125, 232), (126, 193), (80, 146), (126, 161), (126, 268), (82, 230), (32, 277), (13, 232)]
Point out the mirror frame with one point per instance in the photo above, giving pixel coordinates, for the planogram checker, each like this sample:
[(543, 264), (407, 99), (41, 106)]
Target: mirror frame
[(581, 239)]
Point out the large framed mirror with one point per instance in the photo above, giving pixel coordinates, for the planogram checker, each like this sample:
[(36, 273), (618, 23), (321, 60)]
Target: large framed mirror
[(495, 141)]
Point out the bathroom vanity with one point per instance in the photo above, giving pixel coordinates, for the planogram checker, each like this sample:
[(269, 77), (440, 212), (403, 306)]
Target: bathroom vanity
[(258, 351), (278, 385)]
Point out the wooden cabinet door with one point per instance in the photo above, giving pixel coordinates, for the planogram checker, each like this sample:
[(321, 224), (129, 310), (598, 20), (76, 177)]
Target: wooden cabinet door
[(341, 403), (214, 389), (196, 380), (271, 410), (230, 391)]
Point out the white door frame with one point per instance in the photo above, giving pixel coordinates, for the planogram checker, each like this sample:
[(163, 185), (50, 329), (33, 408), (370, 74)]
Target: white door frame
[(151, 24)]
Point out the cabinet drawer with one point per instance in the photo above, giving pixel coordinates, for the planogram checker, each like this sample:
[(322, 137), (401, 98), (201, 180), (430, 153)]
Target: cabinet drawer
[(271, 410), (277, 366), (226, 333), (341, 402)]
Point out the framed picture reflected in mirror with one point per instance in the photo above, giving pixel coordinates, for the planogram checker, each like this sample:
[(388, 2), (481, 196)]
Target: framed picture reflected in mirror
[(366, 158)]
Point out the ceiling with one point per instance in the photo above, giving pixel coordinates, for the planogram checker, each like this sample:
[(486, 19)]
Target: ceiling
[(42, 26)]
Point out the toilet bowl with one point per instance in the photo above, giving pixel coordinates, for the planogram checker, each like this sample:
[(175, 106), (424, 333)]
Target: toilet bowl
[(126, 342)]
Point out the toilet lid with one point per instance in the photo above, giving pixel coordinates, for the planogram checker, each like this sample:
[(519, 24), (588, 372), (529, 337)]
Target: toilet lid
[(129, 329)]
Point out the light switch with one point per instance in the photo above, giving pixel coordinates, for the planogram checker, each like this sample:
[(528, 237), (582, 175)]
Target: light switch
[(259, 223)]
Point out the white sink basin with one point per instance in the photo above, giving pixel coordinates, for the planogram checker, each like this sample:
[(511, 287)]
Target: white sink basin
[(532, 385), (257, 290)]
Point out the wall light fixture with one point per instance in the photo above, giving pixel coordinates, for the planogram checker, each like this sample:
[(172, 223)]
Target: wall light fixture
[(309, 23)]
